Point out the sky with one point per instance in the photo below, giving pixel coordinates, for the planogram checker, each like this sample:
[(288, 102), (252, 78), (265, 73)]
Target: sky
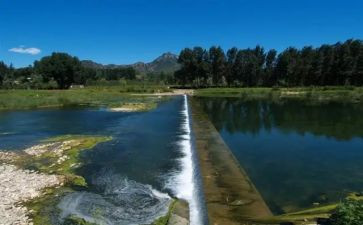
[(128, 31)]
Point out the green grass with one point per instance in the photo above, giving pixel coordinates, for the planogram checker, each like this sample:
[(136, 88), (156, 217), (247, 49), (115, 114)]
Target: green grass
[(341, 93), (98, 96)]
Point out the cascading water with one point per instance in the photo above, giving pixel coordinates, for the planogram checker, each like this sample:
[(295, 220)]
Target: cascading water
[(184, 183), (116, 200)]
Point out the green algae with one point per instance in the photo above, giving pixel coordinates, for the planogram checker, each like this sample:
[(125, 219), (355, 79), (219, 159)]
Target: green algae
[(48, 162), (165, 219), (73, 220), (42, 210)]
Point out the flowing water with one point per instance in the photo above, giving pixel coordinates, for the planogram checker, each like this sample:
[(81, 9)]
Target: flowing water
[(297, 154), (131, 178)]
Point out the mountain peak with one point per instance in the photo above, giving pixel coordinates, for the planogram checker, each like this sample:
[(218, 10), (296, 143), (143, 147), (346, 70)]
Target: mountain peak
[(167, 62)]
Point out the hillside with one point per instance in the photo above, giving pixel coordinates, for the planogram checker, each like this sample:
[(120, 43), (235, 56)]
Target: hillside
[(167, 62)]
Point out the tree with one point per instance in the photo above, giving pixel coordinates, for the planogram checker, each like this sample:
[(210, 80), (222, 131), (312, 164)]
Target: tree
[(218, 63), (269, 67), (61, 67), (358, 71), (4, 70), (231, 70)]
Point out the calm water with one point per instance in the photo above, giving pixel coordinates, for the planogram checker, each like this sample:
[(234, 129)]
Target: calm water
[(130, 176), (297, 154)]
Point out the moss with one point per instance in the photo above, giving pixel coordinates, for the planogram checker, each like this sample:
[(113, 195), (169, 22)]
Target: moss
[(73, 220), (165, 219), (42, 208), (48, 161)]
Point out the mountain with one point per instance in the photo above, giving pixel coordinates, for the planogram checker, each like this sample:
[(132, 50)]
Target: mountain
[(167, 62)]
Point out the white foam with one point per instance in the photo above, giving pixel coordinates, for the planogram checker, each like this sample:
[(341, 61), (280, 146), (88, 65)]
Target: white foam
[(183, 183)]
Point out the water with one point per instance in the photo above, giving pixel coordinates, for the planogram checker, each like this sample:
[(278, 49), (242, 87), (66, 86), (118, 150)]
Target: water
[(296, 153), (129, 177), (184, 182)]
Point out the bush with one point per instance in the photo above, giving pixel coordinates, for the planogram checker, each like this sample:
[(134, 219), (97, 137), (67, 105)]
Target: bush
[(349, 212)]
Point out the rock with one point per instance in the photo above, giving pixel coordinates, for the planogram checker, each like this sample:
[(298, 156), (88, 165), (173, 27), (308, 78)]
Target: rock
[(177, 220), (17, 186), (180, 214)]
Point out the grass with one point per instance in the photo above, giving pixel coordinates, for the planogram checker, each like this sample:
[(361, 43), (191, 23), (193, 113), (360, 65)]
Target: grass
[(98, 96), (340, 93)]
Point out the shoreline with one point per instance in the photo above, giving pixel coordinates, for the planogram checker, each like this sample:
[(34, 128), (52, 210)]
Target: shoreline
[(19, 186), (53, 162)]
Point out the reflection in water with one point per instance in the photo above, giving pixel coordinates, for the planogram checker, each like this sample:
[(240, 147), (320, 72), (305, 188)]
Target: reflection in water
[(340, 121), (297, 154)]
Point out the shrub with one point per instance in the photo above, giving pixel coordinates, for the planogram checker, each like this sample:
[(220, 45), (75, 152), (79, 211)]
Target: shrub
[(349, 212)]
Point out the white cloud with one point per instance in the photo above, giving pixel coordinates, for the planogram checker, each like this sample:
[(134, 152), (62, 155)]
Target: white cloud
[(23, 50)]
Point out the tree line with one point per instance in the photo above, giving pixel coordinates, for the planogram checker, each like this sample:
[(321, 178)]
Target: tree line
[(337, 64), (58, 71)]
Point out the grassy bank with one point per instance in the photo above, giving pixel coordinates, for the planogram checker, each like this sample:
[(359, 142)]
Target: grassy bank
[(104, 96), (339, 94)]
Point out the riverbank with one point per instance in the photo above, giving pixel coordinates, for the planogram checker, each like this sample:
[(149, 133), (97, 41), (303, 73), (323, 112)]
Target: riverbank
[(31, 177), (313, 94), (19, 186), (104, 97), (118, 97)]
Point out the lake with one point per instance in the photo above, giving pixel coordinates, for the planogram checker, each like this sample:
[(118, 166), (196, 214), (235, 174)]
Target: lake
[(297, 154)]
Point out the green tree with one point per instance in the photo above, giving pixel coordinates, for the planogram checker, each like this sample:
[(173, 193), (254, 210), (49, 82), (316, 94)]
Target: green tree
[(231, 70), (218, 62), (4, 70), (61, 67), (269, 67)]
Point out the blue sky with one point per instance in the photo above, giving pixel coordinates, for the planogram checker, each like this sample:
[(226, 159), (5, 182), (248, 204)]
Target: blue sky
[(126, 31)]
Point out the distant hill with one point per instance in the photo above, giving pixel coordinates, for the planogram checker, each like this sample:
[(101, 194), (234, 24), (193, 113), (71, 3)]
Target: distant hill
[(167, 62)]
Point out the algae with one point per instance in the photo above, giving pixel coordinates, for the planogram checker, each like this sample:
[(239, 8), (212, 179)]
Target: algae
[(42, 209), (165, 219)]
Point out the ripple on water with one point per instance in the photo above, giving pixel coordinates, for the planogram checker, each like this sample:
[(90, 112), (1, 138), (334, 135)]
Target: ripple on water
[(118, 201)]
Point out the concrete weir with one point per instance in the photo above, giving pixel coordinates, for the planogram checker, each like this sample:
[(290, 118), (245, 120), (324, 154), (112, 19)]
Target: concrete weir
[(230, 196)]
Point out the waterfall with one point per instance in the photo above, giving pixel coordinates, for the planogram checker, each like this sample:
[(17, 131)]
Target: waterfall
[(185, 183)]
